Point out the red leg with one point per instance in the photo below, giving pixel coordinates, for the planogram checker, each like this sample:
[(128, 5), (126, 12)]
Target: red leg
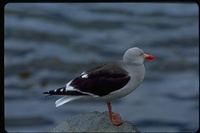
[(114, 117)]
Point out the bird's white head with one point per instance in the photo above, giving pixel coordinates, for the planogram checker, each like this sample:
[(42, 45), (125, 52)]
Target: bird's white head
[(136, 56)]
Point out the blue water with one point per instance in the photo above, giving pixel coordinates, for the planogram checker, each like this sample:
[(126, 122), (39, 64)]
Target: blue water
[(46, 45)]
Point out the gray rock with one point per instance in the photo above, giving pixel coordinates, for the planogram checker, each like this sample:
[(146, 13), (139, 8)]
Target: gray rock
[(93, 122)]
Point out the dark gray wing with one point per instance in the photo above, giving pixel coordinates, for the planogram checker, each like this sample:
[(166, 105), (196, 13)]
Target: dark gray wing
[(102, 79)]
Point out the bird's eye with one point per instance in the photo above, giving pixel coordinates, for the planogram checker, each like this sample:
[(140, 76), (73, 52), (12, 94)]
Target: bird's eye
[(141, 54)]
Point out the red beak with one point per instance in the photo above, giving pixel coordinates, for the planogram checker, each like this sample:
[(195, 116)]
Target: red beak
[(148, 56)]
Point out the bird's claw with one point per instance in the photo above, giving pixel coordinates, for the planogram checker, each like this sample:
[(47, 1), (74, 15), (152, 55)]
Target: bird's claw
[(116, 119)]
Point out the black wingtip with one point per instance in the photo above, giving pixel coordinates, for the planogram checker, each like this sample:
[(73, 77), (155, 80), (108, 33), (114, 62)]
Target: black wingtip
[(47, 92), (59, 91)]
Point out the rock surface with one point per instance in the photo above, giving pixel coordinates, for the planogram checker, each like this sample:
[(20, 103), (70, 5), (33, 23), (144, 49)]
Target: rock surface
[(93, 122)]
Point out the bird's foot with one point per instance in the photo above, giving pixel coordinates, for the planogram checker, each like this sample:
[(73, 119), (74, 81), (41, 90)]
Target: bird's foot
[(116, 119)]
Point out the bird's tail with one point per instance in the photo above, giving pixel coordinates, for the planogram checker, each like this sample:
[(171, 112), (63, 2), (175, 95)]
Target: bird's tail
[(66, 99), (71, 95)]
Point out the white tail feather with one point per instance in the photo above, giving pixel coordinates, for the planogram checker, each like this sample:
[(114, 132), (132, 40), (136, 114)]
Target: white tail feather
[(66, 99)]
